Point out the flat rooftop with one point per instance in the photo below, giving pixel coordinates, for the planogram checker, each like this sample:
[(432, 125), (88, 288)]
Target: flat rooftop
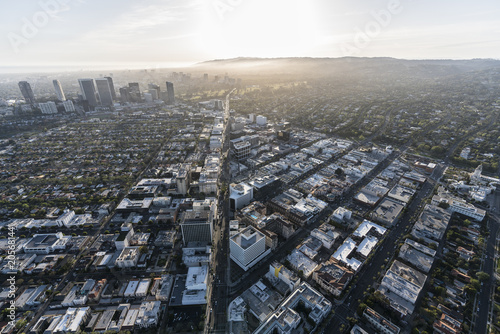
[(388, 210), (366, 226), (416, 258), (247, 237), (343, 253)]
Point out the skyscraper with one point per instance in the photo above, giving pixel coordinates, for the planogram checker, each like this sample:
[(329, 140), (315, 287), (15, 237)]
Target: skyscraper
[(104, 91), (59, 90), (68, 106), (112, 87), (170, 92), (125, 94), (135, 91), (88, 91), (152, 86), (48, 107), (27, 92)]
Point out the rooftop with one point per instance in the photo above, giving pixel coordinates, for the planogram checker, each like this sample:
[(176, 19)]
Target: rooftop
[(344, 251), (367, 226), (247, 237)]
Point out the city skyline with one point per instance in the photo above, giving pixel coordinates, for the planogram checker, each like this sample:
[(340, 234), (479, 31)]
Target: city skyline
[(155, 34)]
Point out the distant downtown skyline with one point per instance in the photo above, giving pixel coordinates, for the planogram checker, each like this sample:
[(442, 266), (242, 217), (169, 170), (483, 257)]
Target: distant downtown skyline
[(154, 33)]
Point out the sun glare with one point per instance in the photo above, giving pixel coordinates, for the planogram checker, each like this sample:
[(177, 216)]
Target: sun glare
[(260, 28)]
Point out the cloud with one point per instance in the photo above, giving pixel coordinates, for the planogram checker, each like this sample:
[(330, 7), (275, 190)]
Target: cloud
[(145, 21)]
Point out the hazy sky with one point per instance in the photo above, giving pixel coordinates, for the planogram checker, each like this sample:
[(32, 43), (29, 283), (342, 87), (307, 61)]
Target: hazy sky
[(155, 33)]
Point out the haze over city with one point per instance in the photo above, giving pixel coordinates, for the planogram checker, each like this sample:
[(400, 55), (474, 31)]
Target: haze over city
[(249, 167), (129, 34)]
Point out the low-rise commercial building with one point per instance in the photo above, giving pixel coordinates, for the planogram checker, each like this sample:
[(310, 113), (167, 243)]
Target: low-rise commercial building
[(128, 257), (285, 319), (380, 323), (333, 277)]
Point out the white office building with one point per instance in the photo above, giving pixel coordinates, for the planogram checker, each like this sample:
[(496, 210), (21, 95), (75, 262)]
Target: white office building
[(248, 247), (261, 120), (240, 195)]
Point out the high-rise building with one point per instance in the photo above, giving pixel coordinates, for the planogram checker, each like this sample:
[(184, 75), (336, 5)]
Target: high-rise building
[(164, 96), (125, 94), (104, 91), (135, 92), (111, 86), (248, 247), (48, 107), (148, 97), (68, 106), (59, 90), (205, 77), (88, 92), (27, 92), (170, 92), (218, 105), (155, 87)]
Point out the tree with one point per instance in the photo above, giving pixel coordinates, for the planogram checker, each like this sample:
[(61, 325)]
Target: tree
[(482, 276), (444, 205), (21, 323), (143, 249), (361, 309), (437, 150)]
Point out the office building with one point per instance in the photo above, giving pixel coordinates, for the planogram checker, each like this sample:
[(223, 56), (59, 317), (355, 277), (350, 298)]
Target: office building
[(125, 95), (48, 108), (88, 92), (27, 92), (261, 120), (69, 106), (59, 90), (248, 247), (148, 97), (153, 93), (46, 243), (197, 226), (155, 88), (164, 96), (170, 92), (218, 105), (111, 87), (402, 286), (182, 181), (134, 91), (104, 91), (240, 195), (196, 286), (242, 149)]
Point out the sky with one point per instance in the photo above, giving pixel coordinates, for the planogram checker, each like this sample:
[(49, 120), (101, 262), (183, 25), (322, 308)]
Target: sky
[(167, 33)]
